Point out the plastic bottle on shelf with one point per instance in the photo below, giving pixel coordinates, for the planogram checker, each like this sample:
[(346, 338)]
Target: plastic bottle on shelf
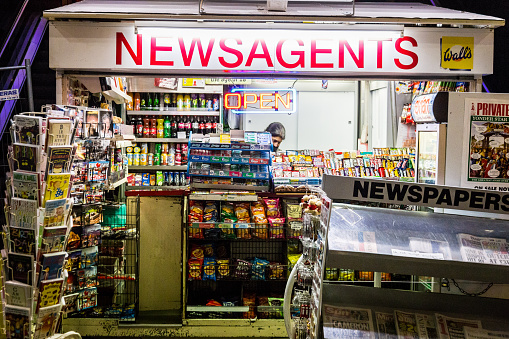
[(187, 102), (208, 125), (201, 101), (167, 127), (146, 127), (130, 103), (215, 103), (171, 155), (194, 101), (178, 156), (214, 124), (160, 126), (208, 102), (181, 125), (187, 125), (174, 127), (195, 126), (180, 102), (153, 127), (167, 101), (173, 102), (138, 131), (149, 102), (155, 104), (143, 102), (201, 124), (136, 102)]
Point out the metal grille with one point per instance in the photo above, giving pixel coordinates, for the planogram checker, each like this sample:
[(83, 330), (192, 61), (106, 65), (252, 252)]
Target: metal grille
[(118, 260)]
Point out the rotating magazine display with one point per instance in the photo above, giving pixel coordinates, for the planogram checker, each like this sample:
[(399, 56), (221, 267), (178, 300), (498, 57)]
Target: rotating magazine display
[(38, 222)]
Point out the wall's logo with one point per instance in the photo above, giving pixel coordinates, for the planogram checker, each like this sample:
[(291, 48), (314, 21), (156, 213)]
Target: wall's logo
[(457, 53)]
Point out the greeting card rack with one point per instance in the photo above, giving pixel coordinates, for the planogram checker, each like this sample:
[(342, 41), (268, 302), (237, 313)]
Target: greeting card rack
[(37, 212)]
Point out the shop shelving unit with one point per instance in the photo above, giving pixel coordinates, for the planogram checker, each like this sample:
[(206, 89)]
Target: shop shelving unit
[(195, 161)]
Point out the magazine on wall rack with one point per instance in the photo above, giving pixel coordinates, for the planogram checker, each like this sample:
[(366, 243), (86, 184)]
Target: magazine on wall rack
[(483, 249), (453, 328), (347, 322), (477, 333)]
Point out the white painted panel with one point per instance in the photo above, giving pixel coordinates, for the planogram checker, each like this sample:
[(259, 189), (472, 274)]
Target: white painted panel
[(379, 120), (327, 120)]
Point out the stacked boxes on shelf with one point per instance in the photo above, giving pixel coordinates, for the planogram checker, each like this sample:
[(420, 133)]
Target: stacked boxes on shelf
[(38, 221)]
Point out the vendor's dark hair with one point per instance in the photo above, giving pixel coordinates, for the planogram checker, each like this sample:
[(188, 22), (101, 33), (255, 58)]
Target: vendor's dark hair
[(276, 129)]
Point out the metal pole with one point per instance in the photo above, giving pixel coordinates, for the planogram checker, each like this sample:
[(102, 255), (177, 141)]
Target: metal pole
[(28, 68)]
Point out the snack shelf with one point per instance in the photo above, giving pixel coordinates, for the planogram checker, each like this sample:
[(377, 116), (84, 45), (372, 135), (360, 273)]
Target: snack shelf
[(230, 147), (224, 197), (158, 168), (231, 174), (228, 160), (230, 187), (174, 140), (222, 225), (240, 309), (173, 111), (297, 181), (167, 188)]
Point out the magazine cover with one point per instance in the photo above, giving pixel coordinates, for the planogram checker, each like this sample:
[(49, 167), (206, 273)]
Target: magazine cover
[(27, 129), (22, 240), (17, 322), (56, 212), (92, 124), (343, 322), (18, 294), (51, 265), (57, 187), (49, 292), (20, 267), (448, 327), (47, 319), (59, 159), (25, 185), (23, 213), (25, 157), (106, 126)]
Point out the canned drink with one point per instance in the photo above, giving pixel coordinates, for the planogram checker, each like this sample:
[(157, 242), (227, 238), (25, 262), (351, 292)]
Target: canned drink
[(159, 178), (157, 148), (136, 159), (171, 176), (137, 149), (183, 180), (177, 179), (143, 159), (150, 159), (166, 178), (144, 147), (152, 179), (164, 159), (130, 157), (157, 159)]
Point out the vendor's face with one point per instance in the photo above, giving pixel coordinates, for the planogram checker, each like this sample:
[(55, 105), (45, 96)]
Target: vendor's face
[(276, 141)]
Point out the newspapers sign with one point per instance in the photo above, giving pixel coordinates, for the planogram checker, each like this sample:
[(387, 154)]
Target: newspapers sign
[(395, 192), (9, 94)]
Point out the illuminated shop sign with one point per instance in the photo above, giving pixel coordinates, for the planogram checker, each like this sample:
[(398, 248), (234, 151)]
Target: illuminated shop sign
[(249, 100)]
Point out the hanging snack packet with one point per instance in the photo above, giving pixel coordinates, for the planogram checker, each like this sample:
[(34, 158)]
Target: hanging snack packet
[(209, 269), (243, 233), (210, 212), (195, 233), (242, 269), (227, 213), (195, 211), (208, 250), (277, 302), (272, 207), (276, 271), (258, 213), (242, 211), (258, 269), (194, 269), (197, 252), (223, 268), (260, 231), (227, 233)]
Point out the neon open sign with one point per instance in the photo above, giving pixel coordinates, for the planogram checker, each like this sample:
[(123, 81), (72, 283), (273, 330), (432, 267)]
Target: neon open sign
[(249, 100)]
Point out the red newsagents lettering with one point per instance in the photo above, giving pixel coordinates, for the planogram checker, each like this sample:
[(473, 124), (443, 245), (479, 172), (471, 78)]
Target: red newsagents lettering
[(290, 54)]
